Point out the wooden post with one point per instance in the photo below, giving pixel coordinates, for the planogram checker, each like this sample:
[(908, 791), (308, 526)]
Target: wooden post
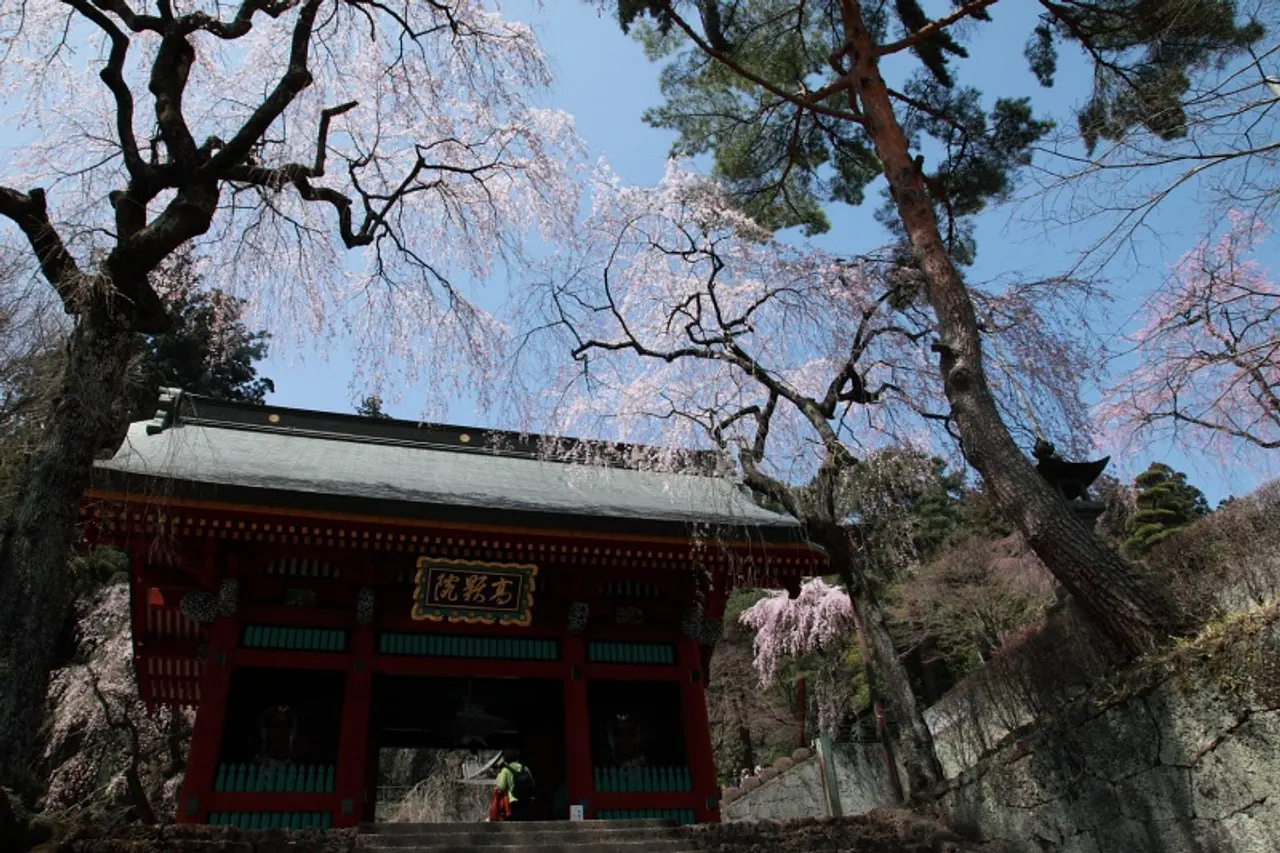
[(577, 727), (353, 742), (702, 762), (370, 814), (206, 735)]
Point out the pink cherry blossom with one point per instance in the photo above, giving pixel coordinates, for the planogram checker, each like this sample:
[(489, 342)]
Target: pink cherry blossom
[(1208, 350)]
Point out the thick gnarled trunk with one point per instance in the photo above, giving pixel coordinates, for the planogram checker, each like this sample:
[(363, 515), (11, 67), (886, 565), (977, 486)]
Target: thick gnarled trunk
[(1128, 611), (35, 577)]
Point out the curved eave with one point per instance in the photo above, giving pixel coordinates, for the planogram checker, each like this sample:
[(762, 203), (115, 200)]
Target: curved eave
[(108, 485)]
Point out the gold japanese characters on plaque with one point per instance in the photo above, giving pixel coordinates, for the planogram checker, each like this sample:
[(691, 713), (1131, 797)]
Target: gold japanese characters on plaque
[(463, 591)]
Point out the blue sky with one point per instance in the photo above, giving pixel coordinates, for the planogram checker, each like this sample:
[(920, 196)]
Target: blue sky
[(605, 82)]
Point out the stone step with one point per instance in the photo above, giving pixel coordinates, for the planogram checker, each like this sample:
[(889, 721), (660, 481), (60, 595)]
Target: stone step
[(639, 836), (517, 827), (491, 839), (565, 844)]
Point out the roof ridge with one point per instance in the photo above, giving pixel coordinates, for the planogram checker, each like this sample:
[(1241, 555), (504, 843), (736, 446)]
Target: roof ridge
[(177, 407)]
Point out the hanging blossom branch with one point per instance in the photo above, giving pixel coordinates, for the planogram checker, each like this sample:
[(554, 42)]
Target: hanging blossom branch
[(690, 326), (819, 620), (1208, 350), (280, 135)]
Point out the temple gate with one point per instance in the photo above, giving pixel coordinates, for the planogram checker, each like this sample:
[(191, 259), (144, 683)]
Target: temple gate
[(319, 586)]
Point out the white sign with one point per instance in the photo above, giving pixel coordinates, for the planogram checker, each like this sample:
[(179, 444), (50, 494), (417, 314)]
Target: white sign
[(575, 813)]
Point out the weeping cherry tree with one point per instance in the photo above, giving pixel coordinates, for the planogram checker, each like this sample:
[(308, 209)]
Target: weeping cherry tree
[(692, 327), (344, 165)]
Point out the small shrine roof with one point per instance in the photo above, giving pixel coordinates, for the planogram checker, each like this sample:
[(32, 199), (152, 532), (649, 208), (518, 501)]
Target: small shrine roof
[(281, 457)]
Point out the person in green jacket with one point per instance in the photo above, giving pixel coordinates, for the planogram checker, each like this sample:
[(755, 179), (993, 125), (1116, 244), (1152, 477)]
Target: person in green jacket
[(516, 781)]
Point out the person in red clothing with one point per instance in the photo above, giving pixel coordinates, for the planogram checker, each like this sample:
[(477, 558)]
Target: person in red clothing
[(515, 786)]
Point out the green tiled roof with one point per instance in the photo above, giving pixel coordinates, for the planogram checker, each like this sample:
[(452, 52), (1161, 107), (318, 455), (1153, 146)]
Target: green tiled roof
[(243, 453)]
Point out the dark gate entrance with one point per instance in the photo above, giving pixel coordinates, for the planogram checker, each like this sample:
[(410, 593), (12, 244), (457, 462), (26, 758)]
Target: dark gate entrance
[(427, 734)]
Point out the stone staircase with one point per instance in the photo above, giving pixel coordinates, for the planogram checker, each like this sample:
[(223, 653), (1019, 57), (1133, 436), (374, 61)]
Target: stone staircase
[(621, 836)]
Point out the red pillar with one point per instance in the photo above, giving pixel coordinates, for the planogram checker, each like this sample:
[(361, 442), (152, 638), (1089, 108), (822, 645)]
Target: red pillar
[(702, 763), (206, 735), (353, 741), (577, 727)]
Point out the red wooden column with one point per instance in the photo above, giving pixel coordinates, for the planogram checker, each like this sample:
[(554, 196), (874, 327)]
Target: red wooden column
[(353, 742), (206, 735), (577, 727), (697, 732)]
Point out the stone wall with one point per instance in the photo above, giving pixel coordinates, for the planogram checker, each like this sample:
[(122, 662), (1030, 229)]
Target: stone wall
[(861, 784), (1181, 755), (1227, 563), (797, 792)]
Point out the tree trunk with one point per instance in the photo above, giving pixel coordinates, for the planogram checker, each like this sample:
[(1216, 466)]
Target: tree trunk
[(35, 576), (877, 710), (919, 756), (1133, 614), (886, 670)]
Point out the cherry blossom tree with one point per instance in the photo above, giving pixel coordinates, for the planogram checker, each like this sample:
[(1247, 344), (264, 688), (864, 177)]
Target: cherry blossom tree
[(692, 327), (1208, 350), (104, 749), (819, 620), (345, 165)]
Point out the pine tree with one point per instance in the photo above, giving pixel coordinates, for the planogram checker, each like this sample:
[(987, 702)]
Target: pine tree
[(1166, 503), (789, 101), (207, 350), (371, 407)]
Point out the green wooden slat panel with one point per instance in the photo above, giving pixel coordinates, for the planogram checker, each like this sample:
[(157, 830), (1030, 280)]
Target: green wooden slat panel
[(479, 648)]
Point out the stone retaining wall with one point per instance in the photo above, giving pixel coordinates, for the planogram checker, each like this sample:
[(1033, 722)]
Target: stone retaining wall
[(861, 784), (1179, 755), (1182, 757)]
